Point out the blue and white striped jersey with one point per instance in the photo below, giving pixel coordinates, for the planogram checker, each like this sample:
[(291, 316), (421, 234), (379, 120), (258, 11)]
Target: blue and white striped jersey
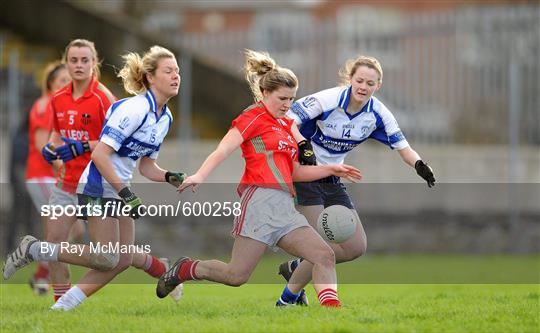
[(321, 118), (133, 129)]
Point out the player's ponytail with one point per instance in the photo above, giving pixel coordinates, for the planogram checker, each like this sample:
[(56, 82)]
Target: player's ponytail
[(262, 73), (132, 74), (135, 69), (351, 65)]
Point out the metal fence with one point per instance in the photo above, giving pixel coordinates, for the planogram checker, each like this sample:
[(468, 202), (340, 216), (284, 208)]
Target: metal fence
[(446, 74)]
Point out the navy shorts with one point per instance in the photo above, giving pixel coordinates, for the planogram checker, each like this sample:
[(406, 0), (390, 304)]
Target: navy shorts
[(93, 206), (326, 192)]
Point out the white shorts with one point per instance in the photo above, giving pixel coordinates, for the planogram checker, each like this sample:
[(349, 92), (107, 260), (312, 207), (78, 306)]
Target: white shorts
[(267, 215), (62, 198), (39, 190)]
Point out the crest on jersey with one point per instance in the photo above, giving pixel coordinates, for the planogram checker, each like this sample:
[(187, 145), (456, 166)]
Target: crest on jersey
[(86, 118), (124, 123)]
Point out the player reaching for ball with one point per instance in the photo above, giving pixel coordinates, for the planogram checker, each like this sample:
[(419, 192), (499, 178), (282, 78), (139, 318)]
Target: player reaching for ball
[(268, 216), (331, 123)]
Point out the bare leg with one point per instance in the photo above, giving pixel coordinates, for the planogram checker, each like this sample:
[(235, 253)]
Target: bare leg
[(57, 231), (94, 280), (306, 243), (245, 256)]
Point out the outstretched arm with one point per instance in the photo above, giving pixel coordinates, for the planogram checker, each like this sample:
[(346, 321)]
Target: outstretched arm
[(230, 142), (412, 158), (307, 173), (409, 156)]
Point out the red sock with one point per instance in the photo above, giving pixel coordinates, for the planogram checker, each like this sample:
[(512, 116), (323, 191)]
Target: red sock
[(328, 297), (42, 271), (60, 289), (157, 267), (187, 270)]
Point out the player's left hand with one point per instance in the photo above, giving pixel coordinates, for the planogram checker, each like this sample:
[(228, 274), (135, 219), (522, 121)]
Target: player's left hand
[(306, 156), (175, 178), (426, 172), (347, 171), (192, 181), (72, 149)]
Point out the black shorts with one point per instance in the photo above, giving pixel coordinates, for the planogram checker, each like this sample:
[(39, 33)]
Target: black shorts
[(99, 207), (326, 192)]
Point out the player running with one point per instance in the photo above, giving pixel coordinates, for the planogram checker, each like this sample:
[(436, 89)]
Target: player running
[(268, 216), (333, 122), (39, 175), (85, 112)]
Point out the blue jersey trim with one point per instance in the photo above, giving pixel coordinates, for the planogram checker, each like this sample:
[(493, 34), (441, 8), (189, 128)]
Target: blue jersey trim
[(297, 109), (94, 185), (151, 100), (114, 106)]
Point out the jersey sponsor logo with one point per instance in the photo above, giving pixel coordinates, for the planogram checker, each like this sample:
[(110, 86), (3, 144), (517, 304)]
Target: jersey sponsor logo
[(75, 134), (330, 125), (334, 145), (277, 129), (286, 146), (86, 119), (138, 150), (124, 123), (350, 126)]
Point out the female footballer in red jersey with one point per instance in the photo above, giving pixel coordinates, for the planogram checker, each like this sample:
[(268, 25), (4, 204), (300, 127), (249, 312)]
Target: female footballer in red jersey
[(268, 216), (39, 175)]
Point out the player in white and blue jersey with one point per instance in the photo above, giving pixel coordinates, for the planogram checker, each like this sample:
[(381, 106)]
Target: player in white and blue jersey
[(332, 123), (134, 130)]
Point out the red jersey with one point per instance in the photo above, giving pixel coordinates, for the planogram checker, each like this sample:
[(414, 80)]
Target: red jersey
[(40, 118), (268, 148), (80, 119)]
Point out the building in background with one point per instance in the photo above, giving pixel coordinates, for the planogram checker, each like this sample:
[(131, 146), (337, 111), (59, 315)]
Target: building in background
[(447, 63)]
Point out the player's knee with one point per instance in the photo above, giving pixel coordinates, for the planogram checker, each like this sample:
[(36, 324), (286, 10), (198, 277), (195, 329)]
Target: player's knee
[(356, 251), (104, 261), (326, 257), (55, 237), (236, 279), (126, 260)]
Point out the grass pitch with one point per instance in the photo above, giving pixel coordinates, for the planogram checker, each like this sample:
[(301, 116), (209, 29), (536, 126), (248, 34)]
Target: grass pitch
[(367, 307)]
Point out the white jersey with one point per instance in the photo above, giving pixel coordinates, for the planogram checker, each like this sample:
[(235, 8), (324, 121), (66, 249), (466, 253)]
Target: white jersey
[(321, 118), (133, 129)]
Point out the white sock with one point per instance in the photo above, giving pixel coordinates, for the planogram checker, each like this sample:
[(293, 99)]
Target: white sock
[(71, 299), (44, 251)]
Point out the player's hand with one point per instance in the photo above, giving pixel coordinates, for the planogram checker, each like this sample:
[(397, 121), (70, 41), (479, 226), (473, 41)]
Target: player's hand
[(192, 181), (306, 156), (425, 171), (72, 149), (175, 178), (346, 171), (132, 201), (48, 153)]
